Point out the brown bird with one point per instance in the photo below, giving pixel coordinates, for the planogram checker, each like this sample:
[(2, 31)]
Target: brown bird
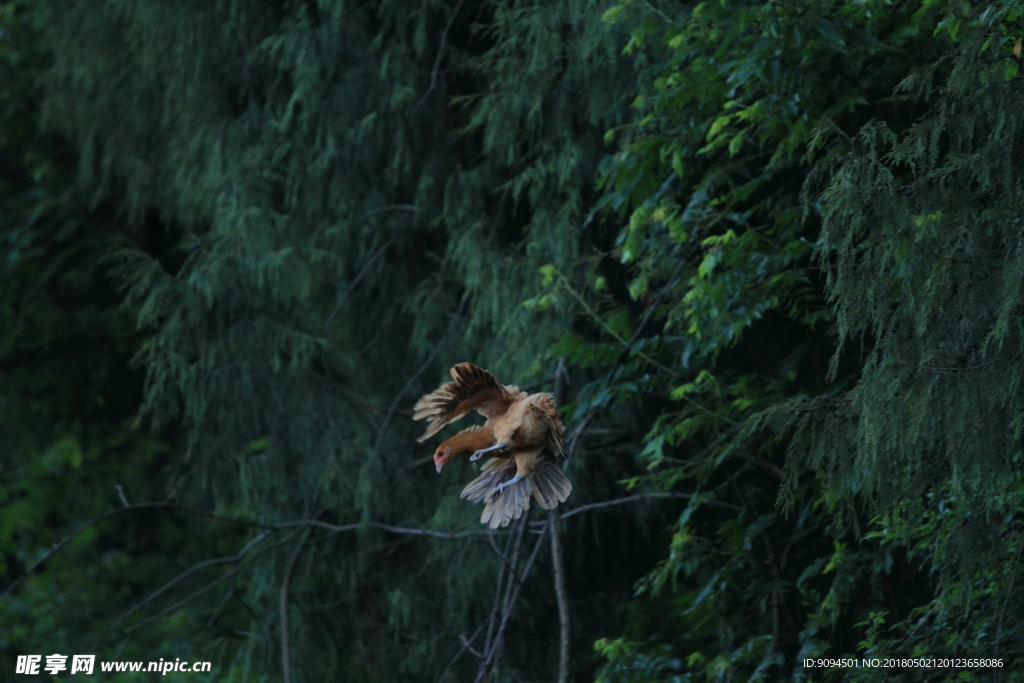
[(519, 426)]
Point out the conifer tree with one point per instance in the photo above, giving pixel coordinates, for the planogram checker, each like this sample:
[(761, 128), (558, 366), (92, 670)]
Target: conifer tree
[(767, 249)]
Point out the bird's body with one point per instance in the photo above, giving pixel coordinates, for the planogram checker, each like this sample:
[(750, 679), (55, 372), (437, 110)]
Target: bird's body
[(519, 427)]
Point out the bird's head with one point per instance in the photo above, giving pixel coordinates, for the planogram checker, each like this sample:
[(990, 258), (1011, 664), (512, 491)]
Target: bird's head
[(442, 456)]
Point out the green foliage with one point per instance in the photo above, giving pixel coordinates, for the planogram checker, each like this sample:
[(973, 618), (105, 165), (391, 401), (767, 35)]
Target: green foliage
[(739, 150), (67, 398), (776, 244), (338, 228)]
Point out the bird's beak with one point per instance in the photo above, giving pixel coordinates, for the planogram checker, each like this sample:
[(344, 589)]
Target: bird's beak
[(438, 465)]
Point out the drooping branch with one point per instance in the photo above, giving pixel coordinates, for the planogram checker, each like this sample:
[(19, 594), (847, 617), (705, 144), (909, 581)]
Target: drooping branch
[(237, 557), (416, 375), (205, 589), (654, 494), (440, 53), (59, 545), (355, 281)]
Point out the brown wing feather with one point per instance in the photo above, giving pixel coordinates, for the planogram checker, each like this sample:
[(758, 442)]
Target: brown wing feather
[(473, 389), (548, 412)]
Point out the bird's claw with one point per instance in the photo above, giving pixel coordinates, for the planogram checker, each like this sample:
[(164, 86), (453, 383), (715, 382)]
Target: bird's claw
[(477, 454), (513, 480)]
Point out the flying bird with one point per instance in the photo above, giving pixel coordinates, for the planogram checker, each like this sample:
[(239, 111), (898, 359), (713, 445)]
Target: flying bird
[(519, 428)]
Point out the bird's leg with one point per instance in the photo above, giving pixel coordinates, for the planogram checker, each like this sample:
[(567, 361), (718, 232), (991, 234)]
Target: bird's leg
[(496, 447), (513, 480)]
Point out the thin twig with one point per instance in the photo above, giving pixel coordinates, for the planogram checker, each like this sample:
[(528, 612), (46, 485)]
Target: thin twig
[(577, 433), (355, 281), (59, 545), (468, 644), (492, 618), (387, 527), (185, 574), (393, 207), (1006, 600), (217, 612), (440, 53), (465, 646), (202, 591), (423, 366), (285, 663), (931, 368), (627, 499), (488, 663), (512, 575)]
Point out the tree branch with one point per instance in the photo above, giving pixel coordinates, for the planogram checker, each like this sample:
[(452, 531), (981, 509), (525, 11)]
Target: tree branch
[(213, 584), (185, 574), (491, 653), (58, 546), (466, 645), (628, 499), (557, 558), (355, 281), (560, 596), (285, 663), (437, 59), (416, 375)]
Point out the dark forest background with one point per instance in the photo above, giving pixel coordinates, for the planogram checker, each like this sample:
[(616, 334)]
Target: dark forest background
[(769, 253)]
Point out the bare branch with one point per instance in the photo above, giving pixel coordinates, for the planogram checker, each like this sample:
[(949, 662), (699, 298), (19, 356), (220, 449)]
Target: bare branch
[(387, 527), (202, 591), (184, 575), (416, 375), (59, 545), (465, 646), (285, 663), (437, 59), (393, 207), (557, 558), (491, 654), (561, 596), (628, 499), (355, 281)]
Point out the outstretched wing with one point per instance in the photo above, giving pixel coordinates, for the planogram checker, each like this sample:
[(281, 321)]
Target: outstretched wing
[(545, 409), (473, 389)]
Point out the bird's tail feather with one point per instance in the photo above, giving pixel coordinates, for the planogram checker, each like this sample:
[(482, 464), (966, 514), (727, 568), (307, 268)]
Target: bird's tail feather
[(501, 507), (548, 485)]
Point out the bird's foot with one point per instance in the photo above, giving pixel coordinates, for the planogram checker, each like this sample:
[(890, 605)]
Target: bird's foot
[(513, 480), (477, 454)]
